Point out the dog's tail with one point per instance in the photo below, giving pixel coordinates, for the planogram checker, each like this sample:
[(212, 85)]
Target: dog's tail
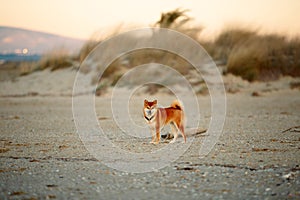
[(177, 105)]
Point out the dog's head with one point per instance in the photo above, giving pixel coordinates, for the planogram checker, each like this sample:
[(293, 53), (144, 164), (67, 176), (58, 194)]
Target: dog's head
[(150, 108)]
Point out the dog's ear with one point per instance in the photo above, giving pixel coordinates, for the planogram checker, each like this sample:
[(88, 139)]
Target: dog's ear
[(155, 101), (145, 101)]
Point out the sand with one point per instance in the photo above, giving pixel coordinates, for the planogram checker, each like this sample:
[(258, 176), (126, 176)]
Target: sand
[(43, 157)]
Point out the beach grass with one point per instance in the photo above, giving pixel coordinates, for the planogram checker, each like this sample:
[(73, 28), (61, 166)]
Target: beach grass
[(255, 56), (244, 52)]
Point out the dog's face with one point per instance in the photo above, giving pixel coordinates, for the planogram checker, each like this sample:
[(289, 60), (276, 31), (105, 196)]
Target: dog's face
[(150, 108)]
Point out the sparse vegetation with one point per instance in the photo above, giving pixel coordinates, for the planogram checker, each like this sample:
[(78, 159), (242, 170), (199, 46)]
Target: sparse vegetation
[(87, 48), (56, 59), (243, 51), (96, 39), (178, 20), (101, 89), (228, 39), (27, 67), (258, 57)]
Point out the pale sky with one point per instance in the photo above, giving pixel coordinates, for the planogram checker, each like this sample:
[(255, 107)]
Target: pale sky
[(82, 18)]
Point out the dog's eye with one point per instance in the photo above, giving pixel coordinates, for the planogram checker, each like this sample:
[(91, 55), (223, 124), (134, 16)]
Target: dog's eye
[(148, 107)]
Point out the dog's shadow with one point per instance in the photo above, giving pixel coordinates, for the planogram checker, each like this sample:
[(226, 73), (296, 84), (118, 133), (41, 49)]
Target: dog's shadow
[(193, 132)]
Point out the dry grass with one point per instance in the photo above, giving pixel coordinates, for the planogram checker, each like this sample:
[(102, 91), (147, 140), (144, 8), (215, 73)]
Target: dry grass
[(265, 58), (145, 56), (227, 40), (244, 51), (254, 56), (11, 70), (87, 48), (27, 68), (98, 37), (179, 21), (140, 57), (56, 59)]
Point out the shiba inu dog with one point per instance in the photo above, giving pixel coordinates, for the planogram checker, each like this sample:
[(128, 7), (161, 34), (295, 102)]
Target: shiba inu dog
[(157, 117)]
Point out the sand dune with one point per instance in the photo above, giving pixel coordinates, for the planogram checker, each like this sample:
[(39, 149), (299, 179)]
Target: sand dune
[(61, 82)]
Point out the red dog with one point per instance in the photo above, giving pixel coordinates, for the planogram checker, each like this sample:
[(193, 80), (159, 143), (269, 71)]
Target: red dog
[(156, 118)]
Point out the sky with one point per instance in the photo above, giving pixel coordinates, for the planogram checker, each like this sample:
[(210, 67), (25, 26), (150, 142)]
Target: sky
[(82, 18)]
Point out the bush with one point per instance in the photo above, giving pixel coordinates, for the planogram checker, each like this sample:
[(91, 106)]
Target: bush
[(255, 56), (87, 48), (227, 40), (265, 57), (56, 59)]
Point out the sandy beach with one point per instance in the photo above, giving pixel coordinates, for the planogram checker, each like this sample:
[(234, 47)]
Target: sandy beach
[(43, 157)]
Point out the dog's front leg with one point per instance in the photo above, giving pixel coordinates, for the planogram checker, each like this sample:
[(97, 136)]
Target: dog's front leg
[(152, 130), (157, 128)]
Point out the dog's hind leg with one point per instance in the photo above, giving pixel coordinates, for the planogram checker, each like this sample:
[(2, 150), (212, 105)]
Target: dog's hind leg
[(181, 128), (174, 131)]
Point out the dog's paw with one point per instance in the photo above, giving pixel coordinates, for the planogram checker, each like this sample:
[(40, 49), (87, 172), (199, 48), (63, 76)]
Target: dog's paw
[(154, 142), (172, 141)]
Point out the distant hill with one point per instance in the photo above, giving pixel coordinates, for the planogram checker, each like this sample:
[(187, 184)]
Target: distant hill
[(22, 41)]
